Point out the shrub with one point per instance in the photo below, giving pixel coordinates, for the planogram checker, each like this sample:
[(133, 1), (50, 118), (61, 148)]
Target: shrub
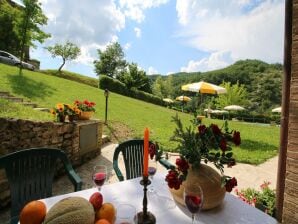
[(263, 199)]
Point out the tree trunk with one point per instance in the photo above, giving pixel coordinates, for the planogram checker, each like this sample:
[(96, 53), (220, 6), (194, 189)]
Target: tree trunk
[(59, 70)]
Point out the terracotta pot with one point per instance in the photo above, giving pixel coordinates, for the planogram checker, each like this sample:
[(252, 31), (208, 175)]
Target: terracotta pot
[(86, 115), (210, 182)]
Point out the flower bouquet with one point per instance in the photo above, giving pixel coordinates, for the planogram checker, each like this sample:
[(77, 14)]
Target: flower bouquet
[(198, 145), (62, 110)]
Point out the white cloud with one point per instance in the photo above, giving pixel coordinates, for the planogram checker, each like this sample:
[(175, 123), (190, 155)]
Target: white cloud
[(127, 46), (152, 71), (246, 28), (134, 9), (216, 60), (89, 25), (138, 32)]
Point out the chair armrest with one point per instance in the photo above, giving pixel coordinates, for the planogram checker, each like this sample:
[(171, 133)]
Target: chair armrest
[(166, 164), (118, 171), (76, 180)]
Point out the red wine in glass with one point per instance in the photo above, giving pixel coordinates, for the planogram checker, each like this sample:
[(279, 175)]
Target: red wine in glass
[(151, 170), (99, 179), (99, 175), (193, 200)]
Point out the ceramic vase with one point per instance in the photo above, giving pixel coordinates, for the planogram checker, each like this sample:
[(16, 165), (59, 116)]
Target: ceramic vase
[(209, 180), (86, 115)]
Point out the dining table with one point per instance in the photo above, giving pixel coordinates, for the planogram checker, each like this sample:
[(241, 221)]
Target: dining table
[(166, 211)]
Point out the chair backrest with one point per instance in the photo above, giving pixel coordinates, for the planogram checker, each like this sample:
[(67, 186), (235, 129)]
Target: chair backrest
[(30, 173), (133, 153)]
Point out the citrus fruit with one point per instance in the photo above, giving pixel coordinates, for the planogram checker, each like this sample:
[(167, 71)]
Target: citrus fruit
[(33, 212), (102, 221), (96, 200), (107, 211)]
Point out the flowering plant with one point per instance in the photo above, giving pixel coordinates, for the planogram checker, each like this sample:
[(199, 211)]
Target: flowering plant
[(264, 198), (85, 105), (62, 109), (199, 143)]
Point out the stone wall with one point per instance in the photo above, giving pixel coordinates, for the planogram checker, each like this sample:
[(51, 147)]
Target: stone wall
[(17, 134), (290, 205)]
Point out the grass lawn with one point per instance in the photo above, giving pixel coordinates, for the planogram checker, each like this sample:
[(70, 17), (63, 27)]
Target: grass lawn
[(127, 117)]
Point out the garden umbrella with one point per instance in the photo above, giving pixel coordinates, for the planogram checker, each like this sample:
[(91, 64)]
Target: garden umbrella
[(204, 87), (234, 107), (183, 98), (168, 100), (277, 110)]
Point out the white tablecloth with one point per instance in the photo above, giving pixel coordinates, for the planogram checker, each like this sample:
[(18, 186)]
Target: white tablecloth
[(232, 210)]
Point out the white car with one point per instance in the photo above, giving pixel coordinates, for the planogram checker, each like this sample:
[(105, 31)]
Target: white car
[(10, 59)]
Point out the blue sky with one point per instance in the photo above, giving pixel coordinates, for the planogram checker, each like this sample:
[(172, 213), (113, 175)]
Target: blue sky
[(166, 36)]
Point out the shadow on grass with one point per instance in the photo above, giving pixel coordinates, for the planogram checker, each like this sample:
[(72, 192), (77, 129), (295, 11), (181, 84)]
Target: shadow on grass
[(250, 145), (30, 88)]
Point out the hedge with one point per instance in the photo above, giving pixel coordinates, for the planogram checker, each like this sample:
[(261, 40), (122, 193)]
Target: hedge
[(116, 86)]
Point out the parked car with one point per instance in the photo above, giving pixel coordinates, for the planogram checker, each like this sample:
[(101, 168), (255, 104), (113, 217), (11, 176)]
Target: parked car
[(10, 59)]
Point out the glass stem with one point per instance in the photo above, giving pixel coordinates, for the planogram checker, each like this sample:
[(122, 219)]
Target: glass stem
[(193, 218)]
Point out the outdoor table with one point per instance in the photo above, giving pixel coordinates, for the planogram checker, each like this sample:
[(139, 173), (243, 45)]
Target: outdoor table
[(231, 211)]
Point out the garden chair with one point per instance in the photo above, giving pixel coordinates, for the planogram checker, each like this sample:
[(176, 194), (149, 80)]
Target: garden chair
[(30, 173), (133, 152)]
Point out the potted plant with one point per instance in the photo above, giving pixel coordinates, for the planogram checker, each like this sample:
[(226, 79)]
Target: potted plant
[(61, 110), (198, 145), (86, 109)]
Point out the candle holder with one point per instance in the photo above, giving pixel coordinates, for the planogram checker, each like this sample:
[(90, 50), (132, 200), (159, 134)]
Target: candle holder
[(145, 217)]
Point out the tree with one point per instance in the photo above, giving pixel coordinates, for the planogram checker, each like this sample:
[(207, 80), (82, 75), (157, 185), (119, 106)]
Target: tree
[(68, 51), (31, 18), (111, 61), (136, 78), (236, 95)]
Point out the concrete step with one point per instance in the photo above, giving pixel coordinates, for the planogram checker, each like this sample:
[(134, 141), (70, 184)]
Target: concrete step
[(13, 99), (4, 93), (29, 104), (42, 109)]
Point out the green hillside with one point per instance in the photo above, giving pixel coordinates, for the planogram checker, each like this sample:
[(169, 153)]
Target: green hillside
[(127, 117)]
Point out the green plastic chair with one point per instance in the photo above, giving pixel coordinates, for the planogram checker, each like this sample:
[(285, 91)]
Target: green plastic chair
[(30, 173), (133, 153)]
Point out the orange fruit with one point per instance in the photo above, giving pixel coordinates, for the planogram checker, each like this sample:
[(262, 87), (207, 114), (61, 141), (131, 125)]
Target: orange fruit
[(102, 221), (33, 212), (107, 211)]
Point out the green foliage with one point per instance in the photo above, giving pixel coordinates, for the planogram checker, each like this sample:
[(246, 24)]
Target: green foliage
[(236, 95), (163, 87), (111, 61), (259, 143), (68, 51), (263, 199), (116, 86), (136, 78)]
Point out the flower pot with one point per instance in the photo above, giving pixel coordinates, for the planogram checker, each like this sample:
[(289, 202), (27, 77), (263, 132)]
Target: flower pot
[(210, 182), (86, 115)]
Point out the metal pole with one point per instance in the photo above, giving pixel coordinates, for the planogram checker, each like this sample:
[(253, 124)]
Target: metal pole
[(106, 94)]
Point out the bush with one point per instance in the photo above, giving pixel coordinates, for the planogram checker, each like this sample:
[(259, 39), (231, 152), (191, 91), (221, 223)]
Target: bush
[(264, 199), (116, 86)]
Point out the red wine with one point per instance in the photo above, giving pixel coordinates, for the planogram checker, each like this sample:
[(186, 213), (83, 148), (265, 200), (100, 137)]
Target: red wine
[(99, 178), (193, 203), (151, 170)]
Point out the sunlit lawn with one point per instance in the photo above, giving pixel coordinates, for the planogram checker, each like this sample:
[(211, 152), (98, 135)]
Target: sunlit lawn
[(259, 143)]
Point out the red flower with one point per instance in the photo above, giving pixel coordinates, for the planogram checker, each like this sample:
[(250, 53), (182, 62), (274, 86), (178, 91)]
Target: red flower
[(215, 129), (223, 144), (152, 150), (202, 129), (230, 184), (236, 138), (173, 180), (182, 164)]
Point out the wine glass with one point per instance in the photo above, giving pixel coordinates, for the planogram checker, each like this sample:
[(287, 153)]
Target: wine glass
[(99, 175), (193, 199), (126, 214), (151, 172)]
